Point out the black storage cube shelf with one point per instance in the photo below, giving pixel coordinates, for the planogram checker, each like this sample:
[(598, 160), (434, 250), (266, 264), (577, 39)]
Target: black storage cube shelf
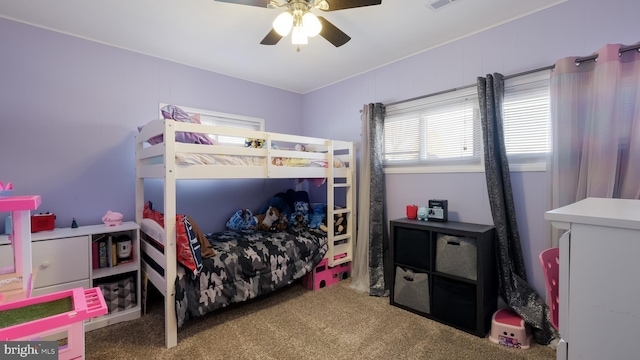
[(445, 271), (412, 247), (454, 302)]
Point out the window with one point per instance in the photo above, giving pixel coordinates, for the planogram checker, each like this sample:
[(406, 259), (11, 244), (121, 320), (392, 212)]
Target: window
[(221, 119), (434, 132), (442, 132), (527, 119)]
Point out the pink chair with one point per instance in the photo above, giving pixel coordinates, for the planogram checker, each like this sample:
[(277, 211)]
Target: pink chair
[(550, 260)]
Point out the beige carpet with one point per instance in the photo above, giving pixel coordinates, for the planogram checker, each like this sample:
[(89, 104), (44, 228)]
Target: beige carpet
[(294, 323)]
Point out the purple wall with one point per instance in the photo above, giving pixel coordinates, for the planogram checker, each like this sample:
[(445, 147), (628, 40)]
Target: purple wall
[(573, 28), (69, 112)]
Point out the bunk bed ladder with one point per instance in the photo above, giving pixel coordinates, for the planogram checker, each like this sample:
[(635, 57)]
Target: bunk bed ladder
[(341, 246)]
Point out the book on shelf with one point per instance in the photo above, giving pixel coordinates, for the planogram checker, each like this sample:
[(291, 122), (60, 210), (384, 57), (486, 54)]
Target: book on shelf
[(95, 257), (113, 258), (102, 253)]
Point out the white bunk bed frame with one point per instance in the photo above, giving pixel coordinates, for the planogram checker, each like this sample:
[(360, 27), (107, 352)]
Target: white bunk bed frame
[(158, 162)]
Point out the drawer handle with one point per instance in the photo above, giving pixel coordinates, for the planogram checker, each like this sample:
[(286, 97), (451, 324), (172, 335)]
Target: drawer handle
[(45, 264)]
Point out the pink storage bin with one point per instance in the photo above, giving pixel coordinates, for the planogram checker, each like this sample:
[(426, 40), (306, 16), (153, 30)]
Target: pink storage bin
[(324, 275)]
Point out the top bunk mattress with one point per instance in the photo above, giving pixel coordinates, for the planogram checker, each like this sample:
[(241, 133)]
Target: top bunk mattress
[(245, 160), (253, 154)]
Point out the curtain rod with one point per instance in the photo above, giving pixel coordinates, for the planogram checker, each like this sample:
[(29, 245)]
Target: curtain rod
[(550, 67), (470, 85), (622, 49)]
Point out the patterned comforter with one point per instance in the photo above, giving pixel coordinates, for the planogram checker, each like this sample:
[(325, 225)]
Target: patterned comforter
[(247, 264)]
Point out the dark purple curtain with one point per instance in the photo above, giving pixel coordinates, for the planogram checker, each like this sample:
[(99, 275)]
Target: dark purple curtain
[(378, 247), (512, 278)]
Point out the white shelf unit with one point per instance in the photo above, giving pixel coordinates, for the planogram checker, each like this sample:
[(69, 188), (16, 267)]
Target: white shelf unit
[(63, 258)]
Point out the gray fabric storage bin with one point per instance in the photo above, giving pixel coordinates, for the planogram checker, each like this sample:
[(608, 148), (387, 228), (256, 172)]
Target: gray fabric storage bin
[(457, 256), (411, 289)]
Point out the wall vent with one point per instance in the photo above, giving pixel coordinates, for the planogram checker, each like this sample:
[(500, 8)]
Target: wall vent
[(439, 4)]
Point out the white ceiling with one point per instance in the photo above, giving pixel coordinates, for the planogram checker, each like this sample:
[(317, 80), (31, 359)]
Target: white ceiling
[(225, 38)]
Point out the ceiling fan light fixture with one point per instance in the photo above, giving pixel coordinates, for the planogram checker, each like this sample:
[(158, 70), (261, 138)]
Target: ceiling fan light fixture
[(298, 36), (321, 4), (311, 24), (283, 23)]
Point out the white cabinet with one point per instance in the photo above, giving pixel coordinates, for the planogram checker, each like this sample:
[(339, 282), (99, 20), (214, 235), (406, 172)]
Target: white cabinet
[(51, 258), (64, 260), (598, 284)]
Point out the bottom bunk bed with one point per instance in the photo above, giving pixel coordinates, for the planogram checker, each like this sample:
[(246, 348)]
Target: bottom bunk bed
[(247, 264), (228, 267)]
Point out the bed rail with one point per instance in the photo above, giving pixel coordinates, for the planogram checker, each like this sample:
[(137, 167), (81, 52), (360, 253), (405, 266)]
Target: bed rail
[(278, 159)]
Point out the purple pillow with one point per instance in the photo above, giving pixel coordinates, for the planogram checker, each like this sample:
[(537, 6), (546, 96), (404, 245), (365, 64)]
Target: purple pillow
[(173, 112)]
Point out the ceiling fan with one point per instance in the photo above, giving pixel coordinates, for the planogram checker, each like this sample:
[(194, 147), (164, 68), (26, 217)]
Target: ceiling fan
[(301, 22)]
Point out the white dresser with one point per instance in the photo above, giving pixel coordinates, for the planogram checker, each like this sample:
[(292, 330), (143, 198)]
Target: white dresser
[(64, 260), (599, 278)]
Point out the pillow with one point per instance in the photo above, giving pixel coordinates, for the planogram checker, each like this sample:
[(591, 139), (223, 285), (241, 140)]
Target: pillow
[(188, 249), (172, 112), (153, 229), (187, 245)]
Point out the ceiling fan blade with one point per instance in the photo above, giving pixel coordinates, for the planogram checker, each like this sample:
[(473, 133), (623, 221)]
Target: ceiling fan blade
[(259, 3), (350, 4), (332, 33), (272, 38)]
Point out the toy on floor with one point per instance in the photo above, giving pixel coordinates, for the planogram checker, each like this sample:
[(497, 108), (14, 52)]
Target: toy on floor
[(508, 329), (18, 319), (324, 275), (84, 304)]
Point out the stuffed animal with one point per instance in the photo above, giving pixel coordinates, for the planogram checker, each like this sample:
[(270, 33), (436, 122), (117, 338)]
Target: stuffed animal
[(266, 221), (297, 221), (300, 215), (281, 223), (254, 143), (339, 224), (242, 219), (318, 216), (422, 213)]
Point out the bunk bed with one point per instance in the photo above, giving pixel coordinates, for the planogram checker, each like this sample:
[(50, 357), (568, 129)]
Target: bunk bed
[(281, 156)]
